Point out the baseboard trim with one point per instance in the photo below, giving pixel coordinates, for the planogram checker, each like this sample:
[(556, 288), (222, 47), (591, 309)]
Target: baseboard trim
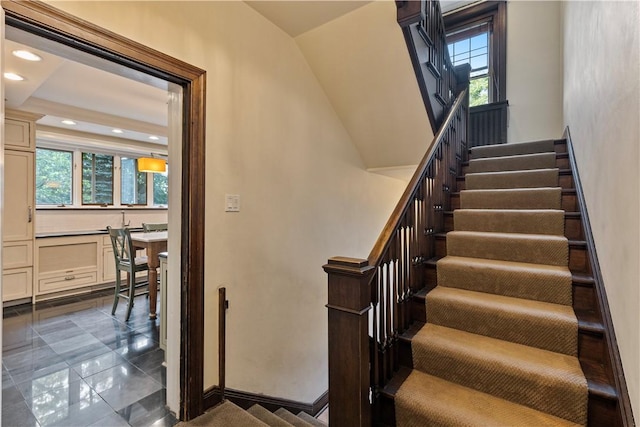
[(245, 400)]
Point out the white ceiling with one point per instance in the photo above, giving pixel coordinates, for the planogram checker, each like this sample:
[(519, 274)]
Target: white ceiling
[(296, 17), (98, 101)]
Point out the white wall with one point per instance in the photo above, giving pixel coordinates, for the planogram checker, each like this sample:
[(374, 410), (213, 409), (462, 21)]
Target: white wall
[(602, 110), (274, 139), (534, 70), (60, 220), (363, 64)]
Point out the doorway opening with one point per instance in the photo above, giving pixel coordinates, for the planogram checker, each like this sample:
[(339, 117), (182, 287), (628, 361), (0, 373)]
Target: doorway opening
[(133, 60)]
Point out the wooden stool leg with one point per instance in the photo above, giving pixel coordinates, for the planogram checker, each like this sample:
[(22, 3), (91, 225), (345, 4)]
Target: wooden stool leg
[(131, 279), (116, 297)]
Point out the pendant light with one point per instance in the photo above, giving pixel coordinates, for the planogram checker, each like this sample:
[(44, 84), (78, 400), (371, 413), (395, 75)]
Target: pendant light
[(152, 164)]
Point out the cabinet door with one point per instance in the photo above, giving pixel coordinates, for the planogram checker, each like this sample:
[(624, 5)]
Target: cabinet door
[(18, 196), (17, 134), (17, 283), (109, 266)]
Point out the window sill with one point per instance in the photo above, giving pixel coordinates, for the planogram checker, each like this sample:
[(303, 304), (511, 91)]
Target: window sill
[(99, 208)]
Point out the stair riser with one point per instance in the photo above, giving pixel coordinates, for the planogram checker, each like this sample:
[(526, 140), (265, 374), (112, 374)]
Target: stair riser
[(566, 201), (562, 162), (565, 181), (578, 258)]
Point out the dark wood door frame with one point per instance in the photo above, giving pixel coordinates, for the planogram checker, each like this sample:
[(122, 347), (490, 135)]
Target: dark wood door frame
[(46, 21)]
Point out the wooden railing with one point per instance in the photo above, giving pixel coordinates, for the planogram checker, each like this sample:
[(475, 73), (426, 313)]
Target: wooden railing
[(488, 124), (369, 299), (424, 33)]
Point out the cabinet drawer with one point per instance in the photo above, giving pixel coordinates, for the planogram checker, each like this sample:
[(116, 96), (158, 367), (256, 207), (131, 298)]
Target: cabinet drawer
[(68, 280), (17, 254), (17, 283), (17, 134)]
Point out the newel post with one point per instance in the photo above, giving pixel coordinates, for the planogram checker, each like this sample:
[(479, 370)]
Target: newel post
[(349, 378)]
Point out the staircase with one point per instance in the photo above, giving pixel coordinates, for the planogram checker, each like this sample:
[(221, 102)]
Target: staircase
[(500, 342), (228, 414)]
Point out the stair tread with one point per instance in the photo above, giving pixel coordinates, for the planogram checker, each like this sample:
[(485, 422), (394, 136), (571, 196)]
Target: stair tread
[(453, 404), (267, 416), (519, 247), (291, 418), (227, 414), (546, 380), (311, 420), (534, 323), (540, 282), (597, 380), (532, 360)]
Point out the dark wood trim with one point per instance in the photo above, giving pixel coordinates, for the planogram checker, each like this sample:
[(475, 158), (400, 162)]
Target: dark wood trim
[(222, 339), (403, 204), (624, 408), (44, 20), (245, 400), (497, 10)]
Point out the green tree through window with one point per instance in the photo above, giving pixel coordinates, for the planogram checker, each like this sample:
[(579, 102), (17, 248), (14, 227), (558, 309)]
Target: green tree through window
[(160, 189), (54, 177), (97, 179)]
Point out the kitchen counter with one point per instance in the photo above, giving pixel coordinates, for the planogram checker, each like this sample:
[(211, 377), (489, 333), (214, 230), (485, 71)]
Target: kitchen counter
[(78, 233)]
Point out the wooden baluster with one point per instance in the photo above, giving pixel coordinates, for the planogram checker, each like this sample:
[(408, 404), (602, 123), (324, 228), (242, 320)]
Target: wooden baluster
[(375, 334), (349, 298)]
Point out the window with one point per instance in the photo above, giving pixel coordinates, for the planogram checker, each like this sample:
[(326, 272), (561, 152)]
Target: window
[(133, 187), (97, 179), (54, 177), (477, 35), (474, 51), (160, 189)]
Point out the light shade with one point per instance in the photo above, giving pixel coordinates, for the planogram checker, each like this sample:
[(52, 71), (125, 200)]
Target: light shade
[(153, 165)]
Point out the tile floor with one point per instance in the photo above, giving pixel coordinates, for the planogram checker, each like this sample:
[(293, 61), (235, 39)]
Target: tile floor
[(70, 363)]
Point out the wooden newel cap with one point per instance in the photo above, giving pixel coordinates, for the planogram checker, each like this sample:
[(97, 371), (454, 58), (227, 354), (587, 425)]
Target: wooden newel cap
[(347, 265)]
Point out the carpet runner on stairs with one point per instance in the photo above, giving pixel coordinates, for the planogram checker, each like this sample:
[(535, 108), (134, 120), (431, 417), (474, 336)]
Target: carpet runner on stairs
[(501, 340), (228, 414)]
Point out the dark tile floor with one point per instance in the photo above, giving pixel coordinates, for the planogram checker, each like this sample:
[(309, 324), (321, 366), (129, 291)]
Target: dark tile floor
[(70, 363)]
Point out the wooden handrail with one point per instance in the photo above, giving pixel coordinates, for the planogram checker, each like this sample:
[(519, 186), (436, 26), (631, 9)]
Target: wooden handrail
[(403, 204)]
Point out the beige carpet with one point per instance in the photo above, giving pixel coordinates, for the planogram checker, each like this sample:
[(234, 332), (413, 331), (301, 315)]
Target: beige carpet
[(228, 414), (501, 339)]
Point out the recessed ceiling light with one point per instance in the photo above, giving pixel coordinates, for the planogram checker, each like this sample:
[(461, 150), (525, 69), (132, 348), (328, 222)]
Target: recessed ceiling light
[(117, 131), (154, 138), (13, 76), (68, 122), (25, 54)]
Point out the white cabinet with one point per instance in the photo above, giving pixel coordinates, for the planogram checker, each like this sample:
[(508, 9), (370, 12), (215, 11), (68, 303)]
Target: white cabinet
[(17, 283), (19, 205), (17, 135), (67, 263), (17, 220)]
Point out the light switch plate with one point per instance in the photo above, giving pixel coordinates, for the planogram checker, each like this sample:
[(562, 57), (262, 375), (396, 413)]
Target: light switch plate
[(232, 203)]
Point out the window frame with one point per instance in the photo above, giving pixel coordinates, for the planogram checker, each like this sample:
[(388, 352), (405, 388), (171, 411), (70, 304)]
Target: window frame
[(76, 179), (495, 14), (146, 183), (113, 168), (71, 152)]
